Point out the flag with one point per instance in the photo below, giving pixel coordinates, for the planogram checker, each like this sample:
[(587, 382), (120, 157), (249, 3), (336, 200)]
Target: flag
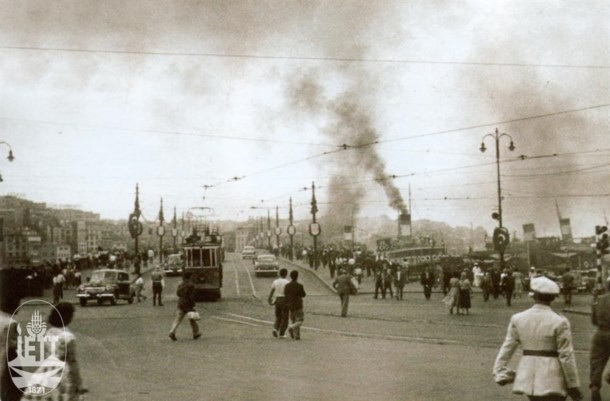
[(529, 232)]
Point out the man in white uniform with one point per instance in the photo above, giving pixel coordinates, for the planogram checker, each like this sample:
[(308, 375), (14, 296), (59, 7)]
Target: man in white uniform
[(547, 370)]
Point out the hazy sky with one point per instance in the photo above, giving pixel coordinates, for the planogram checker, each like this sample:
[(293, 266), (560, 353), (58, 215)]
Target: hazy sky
[(97, 96)]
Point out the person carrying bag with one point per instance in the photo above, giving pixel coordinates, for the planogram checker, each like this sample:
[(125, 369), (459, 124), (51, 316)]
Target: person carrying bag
[(186, 307)]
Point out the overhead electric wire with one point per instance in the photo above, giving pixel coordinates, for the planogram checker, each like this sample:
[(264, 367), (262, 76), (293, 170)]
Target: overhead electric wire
[(484, 125), (303, 58), (167, 132)]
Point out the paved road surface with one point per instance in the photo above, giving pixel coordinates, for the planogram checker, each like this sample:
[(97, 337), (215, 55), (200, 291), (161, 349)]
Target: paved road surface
[(385, 350)]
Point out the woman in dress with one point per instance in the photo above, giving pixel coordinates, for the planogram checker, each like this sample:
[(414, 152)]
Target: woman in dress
[(452, 298), (70, 387), (464, 291)]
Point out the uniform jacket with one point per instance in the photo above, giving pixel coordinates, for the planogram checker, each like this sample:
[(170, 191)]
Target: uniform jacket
[(538, 329), (343, 284)]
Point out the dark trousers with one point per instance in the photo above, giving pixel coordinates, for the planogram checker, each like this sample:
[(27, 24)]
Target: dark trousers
[(157, 291), (600, 352), (379, 288), (344, 304), (281, 315), (427, 291), (567, 296), (509, 297), (399, 291)]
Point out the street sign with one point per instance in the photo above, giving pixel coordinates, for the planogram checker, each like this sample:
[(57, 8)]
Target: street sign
[(278, 231), (292, 230), (160, 231), (315, 229)]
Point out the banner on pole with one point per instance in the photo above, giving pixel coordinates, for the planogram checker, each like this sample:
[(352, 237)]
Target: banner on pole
[(529, 232)]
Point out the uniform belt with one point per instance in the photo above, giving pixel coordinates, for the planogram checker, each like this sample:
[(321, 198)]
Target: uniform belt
[(549, 354)]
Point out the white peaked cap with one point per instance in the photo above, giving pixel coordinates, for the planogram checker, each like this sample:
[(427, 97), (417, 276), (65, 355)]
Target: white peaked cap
[(543, 285)]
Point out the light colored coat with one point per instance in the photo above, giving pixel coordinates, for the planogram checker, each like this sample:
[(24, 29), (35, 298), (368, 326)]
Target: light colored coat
[(539, 329)]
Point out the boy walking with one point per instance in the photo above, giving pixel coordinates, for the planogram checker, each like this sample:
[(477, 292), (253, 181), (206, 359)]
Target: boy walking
[(294, 294), (281, 311)]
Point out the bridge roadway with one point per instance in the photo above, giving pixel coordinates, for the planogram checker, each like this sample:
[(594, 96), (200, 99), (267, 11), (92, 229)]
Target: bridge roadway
[(384, 350)]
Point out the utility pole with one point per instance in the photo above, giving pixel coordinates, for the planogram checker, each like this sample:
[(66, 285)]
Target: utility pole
[(268, 230), (411, 212), (175, 229), (501, 235), (278, 230), (161, 232), (135, 230), (314, 227), (291, 230)]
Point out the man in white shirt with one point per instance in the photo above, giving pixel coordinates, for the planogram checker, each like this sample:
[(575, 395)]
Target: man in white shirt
[(281, 308)]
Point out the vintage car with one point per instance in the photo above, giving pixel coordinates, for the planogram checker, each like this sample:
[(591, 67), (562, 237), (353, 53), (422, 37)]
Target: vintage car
[(174, 265), (266, 265), (106, 285), (585, 280), (249, 252)]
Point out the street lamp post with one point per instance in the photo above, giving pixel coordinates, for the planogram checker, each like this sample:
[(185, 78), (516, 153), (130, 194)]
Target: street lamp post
[(161, 232), (291, 230), (278, 230), (135, 229), (268, 230), (10, 156), (496, 136), (175, 229), (314, 227)]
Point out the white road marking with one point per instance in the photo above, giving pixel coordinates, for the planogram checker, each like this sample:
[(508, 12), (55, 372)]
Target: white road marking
[(251, 282), (236, 279), (360, 334), (235, 321)]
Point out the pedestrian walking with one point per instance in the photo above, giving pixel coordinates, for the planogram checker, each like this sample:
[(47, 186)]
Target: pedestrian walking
[(71, 385), (518, 284), (567, 281), (495, 282), (379, 282), (452, 299), (139, 287), (477, 273), (58, 286), (465, 290), (600, 344), (486, 286), (277, 298), (345, 287), (186, 307), (158, 283), (427, 281), (508, 286), (547, 370), (294, 294), (400, 281)]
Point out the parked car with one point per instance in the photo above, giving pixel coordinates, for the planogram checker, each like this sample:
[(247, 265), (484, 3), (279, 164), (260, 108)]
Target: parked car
[(249, 252), (266, 265), (106, 285), (173, 266), (585, 280)]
